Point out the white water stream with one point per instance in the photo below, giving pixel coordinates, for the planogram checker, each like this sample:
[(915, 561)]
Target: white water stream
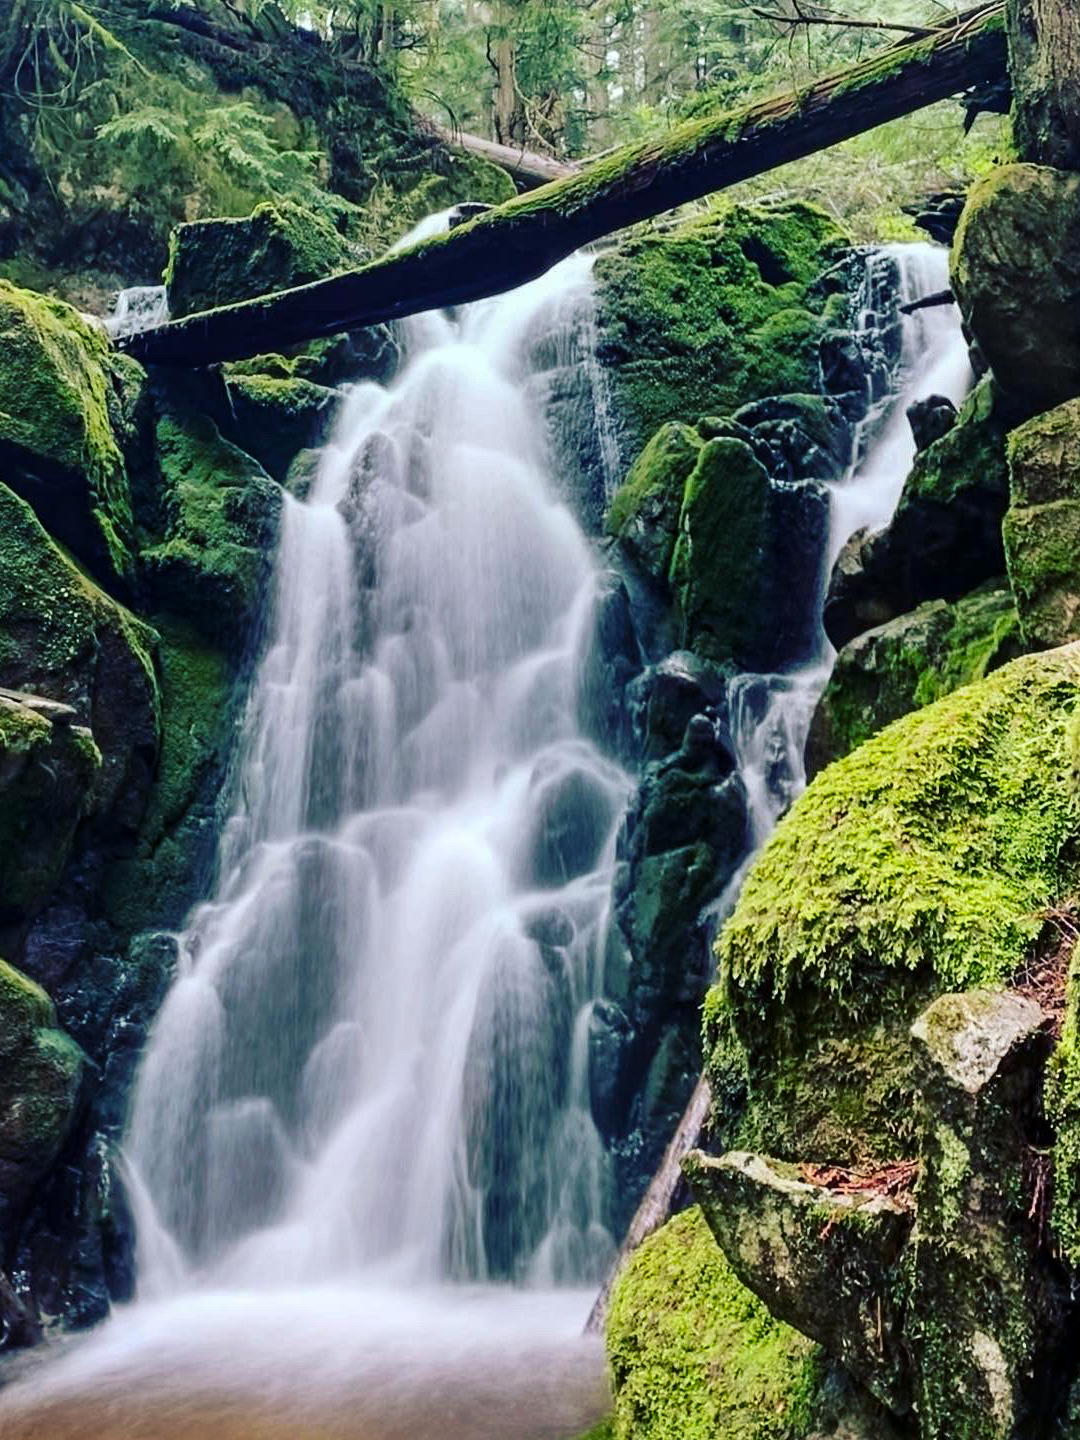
[(370, 1077), (771, 714)]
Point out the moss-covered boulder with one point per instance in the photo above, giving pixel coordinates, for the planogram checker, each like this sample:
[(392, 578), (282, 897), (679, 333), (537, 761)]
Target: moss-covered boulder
[(279, 245), (910, 662), (705, 317), (945, 537), (451, 178), (63, 638), (1042, 527), (921, 862), (1016, 273), (40, 1072), (155, 882), (276, 418), (645, 510), (57, 446), (47, 771), (208, 521), (694, 1355)]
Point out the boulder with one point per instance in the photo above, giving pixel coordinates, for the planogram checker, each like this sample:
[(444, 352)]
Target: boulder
[(945, 537), (931, 419), (48, 767), (910, 662), (1016, 274), (63, 638), (665, 698), (1042, 527), (918, 864), (711, 314), (57, 447), (210, 523), (279, 245), (985, 1310), (821, 1260), (644, 512), (40, 1073), (573, 808), (275, 419)]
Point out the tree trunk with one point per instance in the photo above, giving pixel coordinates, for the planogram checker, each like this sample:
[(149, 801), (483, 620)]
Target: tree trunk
[(1044, 40), (521, 239), (528, 167)]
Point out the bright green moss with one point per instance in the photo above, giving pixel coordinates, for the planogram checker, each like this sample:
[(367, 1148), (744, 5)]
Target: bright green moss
[(278, 416), (918, 864), (644, 513), (55, 437), (717, 564), (209, 525), (713, 314), (455, 179), (971, 456), (910, 662), (694, 1355), (24, 1008), (1062, 1104)]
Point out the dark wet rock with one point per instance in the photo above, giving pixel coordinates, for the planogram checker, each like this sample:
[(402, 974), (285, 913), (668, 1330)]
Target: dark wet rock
[(666, 696), (611, 662), (609, 1032), (931, 419), (549, 926), (572, 815), (939, 214)]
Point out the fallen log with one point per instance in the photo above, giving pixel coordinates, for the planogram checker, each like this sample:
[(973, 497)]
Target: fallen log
[(658, 1205), (524, 237), (527, 167)]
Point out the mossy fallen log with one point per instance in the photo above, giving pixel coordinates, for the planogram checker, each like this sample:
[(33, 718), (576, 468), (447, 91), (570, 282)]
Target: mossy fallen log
[(528, 167), (517, 241)]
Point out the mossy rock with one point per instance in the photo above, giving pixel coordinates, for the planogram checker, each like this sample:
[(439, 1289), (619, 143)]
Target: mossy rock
[(451, 180), (712, 314), (716, 568), (1016, 273), (279, 245), (694, 1355), (40, 1074), (909, 662), (278, 417), (57, 446), (64, 638), (170, 865), (47, 772), (645, 510), (1042, 527), (209, 523), (920, 863)]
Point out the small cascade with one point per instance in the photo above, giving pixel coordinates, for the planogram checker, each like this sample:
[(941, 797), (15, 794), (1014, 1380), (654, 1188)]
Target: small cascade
[(770, 715), (374, 1057), (143, 307)]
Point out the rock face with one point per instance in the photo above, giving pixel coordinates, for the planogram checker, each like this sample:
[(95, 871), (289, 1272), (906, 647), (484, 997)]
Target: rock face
[(1042, 527), (821, 1261), (57, 448), (40, 1071), (907, 663), (1016, 273), (945, 538)]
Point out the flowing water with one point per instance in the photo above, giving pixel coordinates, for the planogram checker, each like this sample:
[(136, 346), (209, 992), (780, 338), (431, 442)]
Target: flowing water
[(363, 1111), (771, 714)]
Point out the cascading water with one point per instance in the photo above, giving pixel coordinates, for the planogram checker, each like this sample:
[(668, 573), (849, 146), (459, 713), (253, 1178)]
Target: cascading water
[(370, 1076), (770, 714), (375, 1052)]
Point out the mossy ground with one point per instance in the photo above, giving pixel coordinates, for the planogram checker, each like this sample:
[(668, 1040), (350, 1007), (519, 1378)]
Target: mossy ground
[(694, 1355)]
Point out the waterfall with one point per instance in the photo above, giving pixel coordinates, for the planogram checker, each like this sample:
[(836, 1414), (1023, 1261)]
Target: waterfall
[(374, 1056), (770, 714)]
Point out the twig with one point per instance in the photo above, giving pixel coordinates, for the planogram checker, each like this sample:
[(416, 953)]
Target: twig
[(918, 32)]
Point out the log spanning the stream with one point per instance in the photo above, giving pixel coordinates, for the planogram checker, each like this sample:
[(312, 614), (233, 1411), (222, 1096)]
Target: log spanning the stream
[(521, 239)]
